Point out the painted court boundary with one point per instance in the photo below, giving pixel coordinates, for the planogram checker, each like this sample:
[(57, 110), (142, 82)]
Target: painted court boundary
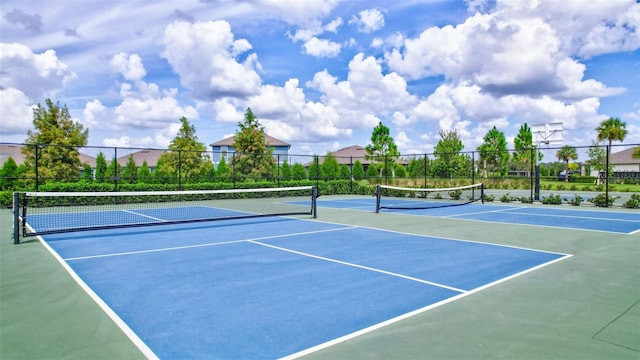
[(151, 355), (144, 349)]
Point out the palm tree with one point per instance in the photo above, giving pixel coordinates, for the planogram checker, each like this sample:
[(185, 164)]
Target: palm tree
[(565, 154), (610, 130)]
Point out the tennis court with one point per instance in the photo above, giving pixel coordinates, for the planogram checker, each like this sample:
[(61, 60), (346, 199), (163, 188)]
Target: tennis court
[(351, 284), (551, 216)]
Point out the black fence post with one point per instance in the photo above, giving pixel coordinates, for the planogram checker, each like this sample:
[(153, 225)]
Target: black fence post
[(606, 179), (179, 169), (425, 171), (37, 175)]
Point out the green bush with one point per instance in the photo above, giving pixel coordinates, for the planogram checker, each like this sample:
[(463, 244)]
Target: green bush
[(6, 198), (576, 201), (601, 200), (552, 199), (489, 198), (505, 198), (633, 202), (455, 194)]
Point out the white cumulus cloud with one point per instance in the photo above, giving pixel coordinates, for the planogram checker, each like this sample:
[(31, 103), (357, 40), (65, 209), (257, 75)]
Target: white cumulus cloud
[(368, 20), (206, 56), (37, 76)]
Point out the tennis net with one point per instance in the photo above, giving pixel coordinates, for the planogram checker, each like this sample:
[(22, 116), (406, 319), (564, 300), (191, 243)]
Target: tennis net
[(41, 213), (404, 198)]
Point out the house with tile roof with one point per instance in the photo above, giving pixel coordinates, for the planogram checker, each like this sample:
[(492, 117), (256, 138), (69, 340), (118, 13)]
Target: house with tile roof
[(224, 149), (623, 161), (14, 151), (624, 165), (151, 156)]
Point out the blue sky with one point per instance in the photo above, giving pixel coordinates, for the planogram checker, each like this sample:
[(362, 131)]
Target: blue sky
[(320, 74)]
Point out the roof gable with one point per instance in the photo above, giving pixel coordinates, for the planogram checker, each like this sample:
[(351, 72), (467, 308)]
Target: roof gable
[(623, 157), (270, 140)]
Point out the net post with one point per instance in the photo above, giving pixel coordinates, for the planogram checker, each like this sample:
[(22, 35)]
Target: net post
[(314, 202), (16, 217), (482, 193), (377, 195)]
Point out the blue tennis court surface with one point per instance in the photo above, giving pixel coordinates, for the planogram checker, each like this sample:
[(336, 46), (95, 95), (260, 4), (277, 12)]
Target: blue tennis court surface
[(271, 288), (572, 218)]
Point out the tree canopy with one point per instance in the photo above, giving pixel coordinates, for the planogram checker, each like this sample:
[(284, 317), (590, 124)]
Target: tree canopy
[(55, 142), (565, 154), (525, 149), (448, 161), (187, 157), (253, 156), (611, 130), (493, 152), (382, 147)]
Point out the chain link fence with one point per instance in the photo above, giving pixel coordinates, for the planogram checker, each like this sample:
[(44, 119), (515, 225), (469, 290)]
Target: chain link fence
[(523, 175)]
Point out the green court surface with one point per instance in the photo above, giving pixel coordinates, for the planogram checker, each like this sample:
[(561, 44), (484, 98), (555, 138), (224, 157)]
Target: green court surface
[(584, 307)]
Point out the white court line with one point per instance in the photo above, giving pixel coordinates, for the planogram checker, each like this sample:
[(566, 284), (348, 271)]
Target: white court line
[(148, 353), (481, 212), (574, 217), (205, 245), (359, 266), (143, 215), (411, 314)]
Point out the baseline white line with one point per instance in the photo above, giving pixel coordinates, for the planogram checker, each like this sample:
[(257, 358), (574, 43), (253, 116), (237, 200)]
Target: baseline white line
[(573, 217), (359, 266), (505, 222), (205, 245), (409, 314)]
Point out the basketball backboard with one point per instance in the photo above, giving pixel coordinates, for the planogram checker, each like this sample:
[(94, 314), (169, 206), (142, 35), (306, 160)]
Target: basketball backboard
[(550, 134)]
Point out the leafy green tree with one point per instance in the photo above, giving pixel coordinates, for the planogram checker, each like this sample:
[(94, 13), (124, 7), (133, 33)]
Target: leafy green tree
[(164, 173), (382, 148), (207, 173), (285, 170), (418, 167), (565, 154), (112, 174), (314, 169), (358, 170), (187, 155), (448, 162), (636, 152), (329, 169), (298, 172), (373, 170), (101, 168), (9, 174), (56, 140), (223, 172), (400, 171), (598, 158), (87, 173), (253, 156), (345, 173), (493, 152), (144, 173), (130, 171), (525, 149)]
